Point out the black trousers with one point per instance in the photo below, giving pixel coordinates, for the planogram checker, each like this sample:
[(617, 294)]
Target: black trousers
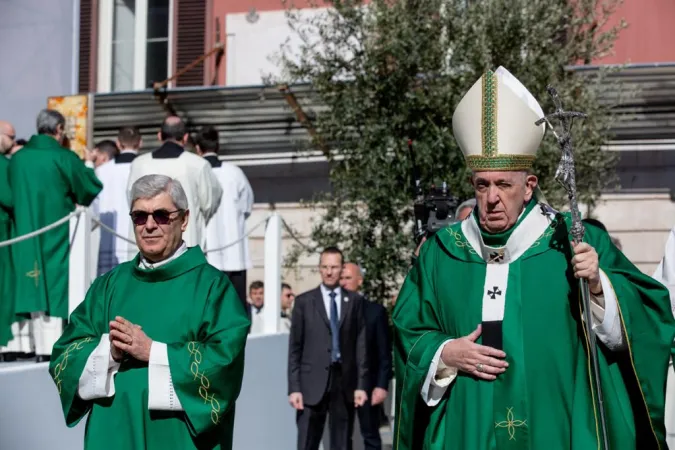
[(369, 419), (238, 280), (340, 409)]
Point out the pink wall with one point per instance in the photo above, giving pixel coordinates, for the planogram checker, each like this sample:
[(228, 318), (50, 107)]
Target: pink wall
[(649, 38), (650, 35)]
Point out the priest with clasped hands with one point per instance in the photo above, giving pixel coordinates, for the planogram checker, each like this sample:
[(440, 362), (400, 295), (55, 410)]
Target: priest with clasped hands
[(155, 353), (491, 350)]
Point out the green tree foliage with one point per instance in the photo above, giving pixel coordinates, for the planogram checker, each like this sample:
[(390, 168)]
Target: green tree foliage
[(394, 70)]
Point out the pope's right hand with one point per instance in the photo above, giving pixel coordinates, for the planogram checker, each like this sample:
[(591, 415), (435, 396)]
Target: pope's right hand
[(478, 360), (295, 399)]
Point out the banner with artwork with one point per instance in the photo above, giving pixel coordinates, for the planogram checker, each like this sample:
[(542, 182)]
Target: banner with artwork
[(76, 109)]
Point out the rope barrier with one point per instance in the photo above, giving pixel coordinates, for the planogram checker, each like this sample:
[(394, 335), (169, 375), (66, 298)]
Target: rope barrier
[(114, 233), (97, 221), (79, 210), (264, 221)]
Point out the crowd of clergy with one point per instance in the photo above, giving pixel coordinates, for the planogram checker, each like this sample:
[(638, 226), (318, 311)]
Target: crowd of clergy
[(41, 181), (492, 346)]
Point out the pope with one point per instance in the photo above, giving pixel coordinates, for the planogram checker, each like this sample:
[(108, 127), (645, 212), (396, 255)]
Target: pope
[(491, 350)]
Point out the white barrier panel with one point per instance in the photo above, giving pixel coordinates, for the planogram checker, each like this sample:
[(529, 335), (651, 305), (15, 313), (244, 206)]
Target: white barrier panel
[(272, 310), (80, 270), (31, 417)]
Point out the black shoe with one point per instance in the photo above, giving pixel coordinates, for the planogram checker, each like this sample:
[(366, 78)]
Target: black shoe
[(42, 358), (8, 357), (24, 355)]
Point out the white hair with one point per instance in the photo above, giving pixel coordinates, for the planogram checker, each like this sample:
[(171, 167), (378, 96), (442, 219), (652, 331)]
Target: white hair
[(150, 186), (48, 121)]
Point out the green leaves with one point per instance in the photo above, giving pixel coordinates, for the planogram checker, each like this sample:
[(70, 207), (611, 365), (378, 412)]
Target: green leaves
[(395, 69)]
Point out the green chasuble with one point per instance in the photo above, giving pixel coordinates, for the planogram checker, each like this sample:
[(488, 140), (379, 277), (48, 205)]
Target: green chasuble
[(545, 399), (6, 280), (191, 307), (47, 182)]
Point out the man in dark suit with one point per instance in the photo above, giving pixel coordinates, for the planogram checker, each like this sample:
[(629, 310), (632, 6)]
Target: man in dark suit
[(327, 362), (379, 360)]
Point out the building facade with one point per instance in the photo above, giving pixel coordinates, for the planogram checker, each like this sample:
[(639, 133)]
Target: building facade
[(119, 49)]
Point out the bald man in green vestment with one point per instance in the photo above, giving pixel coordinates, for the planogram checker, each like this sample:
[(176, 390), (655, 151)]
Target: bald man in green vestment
[(47, 182), (490, 348), (155, 353)]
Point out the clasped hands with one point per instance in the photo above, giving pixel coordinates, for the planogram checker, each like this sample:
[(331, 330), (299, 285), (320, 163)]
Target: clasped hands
[(486, 362), (128, 338)]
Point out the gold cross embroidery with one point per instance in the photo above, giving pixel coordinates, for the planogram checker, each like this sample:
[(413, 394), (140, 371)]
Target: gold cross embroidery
[(35, 273), (511, 424)]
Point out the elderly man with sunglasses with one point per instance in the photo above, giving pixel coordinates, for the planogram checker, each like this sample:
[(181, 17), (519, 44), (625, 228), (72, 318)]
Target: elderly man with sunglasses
[(155, 353)]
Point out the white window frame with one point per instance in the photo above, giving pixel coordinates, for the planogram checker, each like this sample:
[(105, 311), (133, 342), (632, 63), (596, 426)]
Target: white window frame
[(105, 38)]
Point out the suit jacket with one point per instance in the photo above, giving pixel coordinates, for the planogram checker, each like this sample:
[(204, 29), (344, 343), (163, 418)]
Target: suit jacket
[(379, 346), (309, 349)]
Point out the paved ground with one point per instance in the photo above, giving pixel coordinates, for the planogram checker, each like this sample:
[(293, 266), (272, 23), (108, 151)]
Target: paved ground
[(387, 438)]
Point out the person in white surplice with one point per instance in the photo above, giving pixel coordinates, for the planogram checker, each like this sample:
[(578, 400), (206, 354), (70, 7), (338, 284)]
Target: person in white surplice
[(194, 173), (112, 203), (665, 273), (226, 240)]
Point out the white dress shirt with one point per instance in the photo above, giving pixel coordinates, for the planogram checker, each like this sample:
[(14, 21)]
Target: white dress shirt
[(327, 300)]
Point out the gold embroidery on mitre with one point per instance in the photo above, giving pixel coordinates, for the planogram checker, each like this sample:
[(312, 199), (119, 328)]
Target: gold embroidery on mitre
[(511, 424), (489, 119), (505, 163)]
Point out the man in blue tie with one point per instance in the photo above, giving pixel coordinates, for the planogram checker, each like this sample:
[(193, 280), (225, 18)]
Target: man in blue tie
[(327, 362)]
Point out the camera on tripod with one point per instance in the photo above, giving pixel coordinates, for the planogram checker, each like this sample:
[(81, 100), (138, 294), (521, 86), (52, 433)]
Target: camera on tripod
[(434, 209)]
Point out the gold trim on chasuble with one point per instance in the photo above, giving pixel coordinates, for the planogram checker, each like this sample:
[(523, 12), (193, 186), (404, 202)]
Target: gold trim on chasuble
[(400, 401), (60, 367), (205, 383), (511, 423), (491, 159), (632, 363), (461, 241)]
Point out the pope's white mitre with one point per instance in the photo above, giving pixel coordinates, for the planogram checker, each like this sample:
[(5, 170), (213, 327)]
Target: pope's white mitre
[(494, 124)]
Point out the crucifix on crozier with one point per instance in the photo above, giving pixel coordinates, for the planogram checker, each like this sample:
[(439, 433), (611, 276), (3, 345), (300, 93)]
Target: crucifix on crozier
[(494, 292)]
